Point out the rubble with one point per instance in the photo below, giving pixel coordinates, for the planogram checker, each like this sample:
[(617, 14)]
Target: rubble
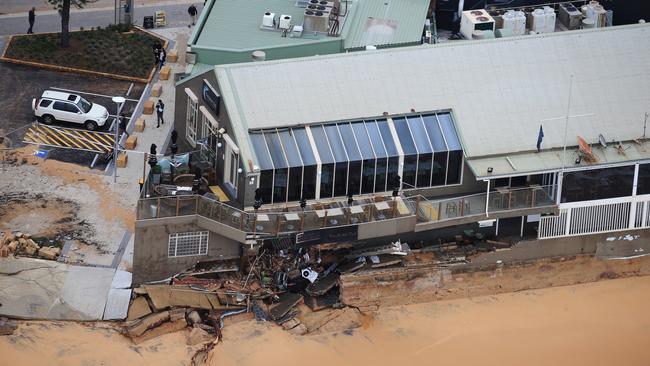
[(198, 336), (138, 308), (22, 244)]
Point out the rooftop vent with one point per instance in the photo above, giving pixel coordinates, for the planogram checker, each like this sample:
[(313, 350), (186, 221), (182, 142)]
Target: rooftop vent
[(316, 21), (476, 12), (313, 1), (482, 19), (268, 20), (285, 21)]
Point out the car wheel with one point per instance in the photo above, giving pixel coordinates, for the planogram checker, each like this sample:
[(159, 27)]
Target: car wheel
[(48, 120), (90, 125)]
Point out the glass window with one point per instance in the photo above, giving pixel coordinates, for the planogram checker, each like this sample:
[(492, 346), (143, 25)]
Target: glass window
[(381, 174), (393, 170), (349, 141), (404, 134), (322, 145), (375, 137), (71, 108), (597, 184), (280, 185), (354, 155), (368, 176), (454, 167), (410, 152), (60, 106), (447, 125), (419, 135), (295, 184), (304, 146), (336, 144), (261, 151), (309, 182), (327, 160), (387, 137), (439, 173), (266, 185), (275, 148), (435, 135), (290, 148), (341, 169), (425, 158), (45, 103), (363, 141)]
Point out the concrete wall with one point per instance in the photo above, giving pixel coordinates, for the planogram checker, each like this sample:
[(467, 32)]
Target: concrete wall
[(224, 56), (180, 114), (150, 259), (527, 265)]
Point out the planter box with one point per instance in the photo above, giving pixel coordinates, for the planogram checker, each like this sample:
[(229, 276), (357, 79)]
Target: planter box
[(156, 90), (165, 72), (148, 107), (122, 160), (139, 125), (131, 142)]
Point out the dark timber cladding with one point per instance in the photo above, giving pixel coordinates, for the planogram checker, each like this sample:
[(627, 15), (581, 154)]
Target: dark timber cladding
[(358, 157)]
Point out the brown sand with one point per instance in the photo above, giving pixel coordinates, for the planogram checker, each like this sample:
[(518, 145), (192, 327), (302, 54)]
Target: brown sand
[(602, 323), (75, 174)]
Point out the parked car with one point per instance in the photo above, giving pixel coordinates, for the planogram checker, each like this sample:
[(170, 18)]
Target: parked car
[(55, 106)]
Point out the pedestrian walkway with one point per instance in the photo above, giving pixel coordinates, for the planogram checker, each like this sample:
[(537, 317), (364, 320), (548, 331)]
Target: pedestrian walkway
[(137, 164)]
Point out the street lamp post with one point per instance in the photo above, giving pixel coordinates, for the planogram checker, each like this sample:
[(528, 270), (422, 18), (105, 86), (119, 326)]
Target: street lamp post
[(119, 101)]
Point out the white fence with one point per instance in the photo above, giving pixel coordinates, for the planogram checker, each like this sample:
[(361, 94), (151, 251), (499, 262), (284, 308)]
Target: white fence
[(601, 216)]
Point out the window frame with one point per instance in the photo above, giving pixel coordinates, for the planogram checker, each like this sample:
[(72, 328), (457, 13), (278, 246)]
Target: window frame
[(202, 245)]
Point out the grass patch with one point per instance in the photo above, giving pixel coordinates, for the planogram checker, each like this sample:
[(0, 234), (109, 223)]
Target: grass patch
[(111, 50)]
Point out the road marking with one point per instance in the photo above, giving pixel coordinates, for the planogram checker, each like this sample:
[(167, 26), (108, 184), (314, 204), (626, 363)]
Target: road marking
[(87, 93)]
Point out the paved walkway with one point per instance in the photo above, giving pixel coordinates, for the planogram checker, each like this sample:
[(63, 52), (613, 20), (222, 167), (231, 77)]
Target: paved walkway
[(50, 21)]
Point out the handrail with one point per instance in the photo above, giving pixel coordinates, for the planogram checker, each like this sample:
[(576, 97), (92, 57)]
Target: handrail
[(273, 223)]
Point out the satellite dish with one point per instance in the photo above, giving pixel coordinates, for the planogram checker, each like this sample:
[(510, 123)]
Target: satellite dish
[(602, 140)]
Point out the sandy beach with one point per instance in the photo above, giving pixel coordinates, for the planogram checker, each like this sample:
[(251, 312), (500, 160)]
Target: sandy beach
[(602, 323)]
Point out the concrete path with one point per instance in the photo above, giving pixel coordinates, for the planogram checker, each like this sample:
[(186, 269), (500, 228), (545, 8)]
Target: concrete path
[(50, 21)]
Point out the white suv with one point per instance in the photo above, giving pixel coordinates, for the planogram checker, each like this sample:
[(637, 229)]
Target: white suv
[(55, 106)]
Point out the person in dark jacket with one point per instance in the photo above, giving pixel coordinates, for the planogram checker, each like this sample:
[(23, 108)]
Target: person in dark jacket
[(31, 17), (156, 52), (192, 12), (160, 108), (122, 125)]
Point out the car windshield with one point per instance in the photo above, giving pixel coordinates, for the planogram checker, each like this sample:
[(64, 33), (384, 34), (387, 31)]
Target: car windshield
[(84, 105)]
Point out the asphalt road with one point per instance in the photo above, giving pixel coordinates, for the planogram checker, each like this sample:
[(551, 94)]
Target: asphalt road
[(176, 16)]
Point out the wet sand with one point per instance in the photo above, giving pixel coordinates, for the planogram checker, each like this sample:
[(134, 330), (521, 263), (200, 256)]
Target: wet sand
[(602, 323)]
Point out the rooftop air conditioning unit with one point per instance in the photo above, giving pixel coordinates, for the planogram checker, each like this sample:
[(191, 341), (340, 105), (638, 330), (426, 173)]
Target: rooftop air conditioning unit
[(570, 16), (285, 21), (296, 31), (316, 21), (475, 20), (268, 20)]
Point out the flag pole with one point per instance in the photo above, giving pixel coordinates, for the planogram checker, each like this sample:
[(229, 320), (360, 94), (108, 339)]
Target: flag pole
[(566, 129)]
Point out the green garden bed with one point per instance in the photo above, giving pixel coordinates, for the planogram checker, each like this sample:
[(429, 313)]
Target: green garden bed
[(99, 50)]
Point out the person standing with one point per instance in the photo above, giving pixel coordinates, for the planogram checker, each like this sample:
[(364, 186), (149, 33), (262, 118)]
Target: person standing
[(31, 17), (156, 52), (160, 108), (192, 12), (122, 125), (162, 57)]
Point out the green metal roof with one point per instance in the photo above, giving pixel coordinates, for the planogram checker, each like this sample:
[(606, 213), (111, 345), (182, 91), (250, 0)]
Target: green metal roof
[(385, 23), (236, 25), (195, 70)]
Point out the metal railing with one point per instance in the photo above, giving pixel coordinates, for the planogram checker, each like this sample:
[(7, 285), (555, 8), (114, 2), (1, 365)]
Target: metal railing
[(274, 223)]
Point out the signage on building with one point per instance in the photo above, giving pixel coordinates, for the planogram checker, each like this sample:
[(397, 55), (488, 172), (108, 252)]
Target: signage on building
[(328, 236), (210, 97)]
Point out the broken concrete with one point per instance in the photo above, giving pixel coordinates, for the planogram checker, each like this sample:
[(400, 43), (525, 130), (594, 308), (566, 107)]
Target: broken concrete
[(166, 328), (43, 289), (198, 336), (287, 302), (138, 308), (7, 326), (165, 296), (138, 327)]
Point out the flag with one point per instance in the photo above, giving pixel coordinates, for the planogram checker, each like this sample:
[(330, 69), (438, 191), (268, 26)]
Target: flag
[(540, 137)]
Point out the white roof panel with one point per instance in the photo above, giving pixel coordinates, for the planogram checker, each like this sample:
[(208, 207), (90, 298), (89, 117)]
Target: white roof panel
[(500, 90)]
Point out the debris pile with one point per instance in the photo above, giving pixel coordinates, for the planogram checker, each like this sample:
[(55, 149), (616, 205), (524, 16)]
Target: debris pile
[(22, 244)]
